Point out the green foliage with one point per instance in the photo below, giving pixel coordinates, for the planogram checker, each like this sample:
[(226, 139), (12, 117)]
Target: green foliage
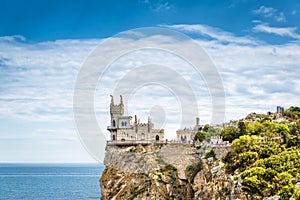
[(293, 113), (212, 131), (274, 175), (242, 128), (268, 147), (293, 141), (266, 154), (200, 136), (295, 128), (268, 129), (192, 170), (230, 133), (263, 182), (205, 128), (207, 132), (247, 150), (254, 128), (296, 194), (257, 181), (284, 161), (286, 191), (209, 154), (169, 167)]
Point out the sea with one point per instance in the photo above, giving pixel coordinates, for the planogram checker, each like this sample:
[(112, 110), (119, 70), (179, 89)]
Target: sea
[(50, 181)]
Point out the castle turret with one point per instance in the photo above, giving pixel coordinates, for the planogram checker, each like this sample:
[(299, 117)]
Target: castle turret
[(118, 109), (112, 100), (197, 126), (121, 101)]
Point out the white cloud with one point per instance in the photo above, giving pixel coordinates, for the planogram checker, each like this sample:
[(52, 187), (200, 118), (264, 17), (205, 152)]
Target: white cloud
[(212, 32), (281, 31), (158, 5), (281, 17), (37, 80), (270, 12), (40, 77), (265, 11), (12, 38)]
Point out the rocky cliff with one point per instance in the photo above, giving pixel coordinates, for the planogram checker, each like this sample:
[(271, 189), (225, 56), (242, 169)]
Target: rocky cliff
[(167, 171)]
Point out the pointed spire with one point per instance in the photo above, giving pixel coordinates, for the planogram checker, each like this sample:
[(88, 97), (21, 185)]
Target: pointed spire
[(149, 119), (121, 100), (112, 100)]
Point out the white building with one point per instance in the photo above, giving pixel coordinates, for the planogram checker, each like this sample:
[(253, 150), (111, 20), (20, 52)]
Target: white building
[(123, 129), (187, 135)]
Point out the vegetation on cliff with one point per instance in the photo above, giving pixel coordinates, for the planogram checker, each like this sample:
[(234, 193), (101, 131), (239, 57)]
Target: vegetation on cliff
[(267, 154), (263, 161)]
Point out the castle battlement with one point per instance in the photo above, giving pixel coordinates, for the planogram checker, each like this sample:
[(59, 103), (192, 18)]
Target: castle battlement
[(142, 124), (158, 130)]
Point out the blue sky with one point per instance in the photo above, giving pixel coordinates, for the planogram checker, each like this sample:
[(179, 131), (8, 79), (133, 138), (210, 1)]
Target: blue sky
[(255, 46), (40, 21)]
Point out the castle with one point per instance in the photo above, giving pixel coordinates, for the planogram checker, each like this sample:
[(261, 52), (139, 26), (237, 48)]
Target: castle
[(123, 130), (187, 135)]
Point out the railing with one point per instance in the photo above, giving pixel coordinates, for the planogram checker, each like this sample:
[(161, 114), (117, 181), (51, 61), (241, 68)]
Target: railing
[(111, 127), (140, 142), (134, 142)]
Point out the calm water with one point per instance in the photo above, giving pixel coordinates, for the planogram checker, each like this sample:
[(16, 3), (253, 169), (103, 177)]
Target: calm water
[(50, 181)]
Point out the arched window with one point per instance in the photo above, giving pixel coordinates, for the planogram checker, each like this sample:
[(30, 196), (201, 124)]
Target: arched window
[(122, 123), (114, 137), (157, 137), (142, 136), (114, 123)]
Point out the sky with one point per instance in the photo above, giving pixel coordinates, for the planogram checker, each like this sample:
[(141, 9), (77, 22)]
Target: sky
[(254, 45)]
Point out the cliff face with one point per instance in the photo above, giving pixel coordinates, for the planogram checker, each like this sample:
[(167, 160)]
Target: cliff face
[(169, 171)]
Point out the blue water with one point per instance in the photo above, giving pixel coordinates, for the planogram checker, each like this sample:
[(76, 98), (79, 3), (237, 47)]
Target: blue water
[(50, 181)]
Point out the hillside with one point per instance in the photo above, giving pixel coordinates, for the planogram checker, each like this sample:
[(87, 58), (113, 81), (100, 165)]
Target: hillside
[(262, 162)]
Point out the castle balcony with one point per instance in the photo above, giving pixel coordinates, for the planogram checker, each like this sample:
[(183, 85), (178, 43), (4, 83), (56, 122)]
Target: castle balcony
[(133, 142), (111, 128)]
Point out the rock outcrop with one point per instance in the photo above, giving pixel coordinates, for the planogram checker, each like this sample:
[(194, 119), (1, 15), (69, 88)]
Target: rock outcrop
[(166, 171)]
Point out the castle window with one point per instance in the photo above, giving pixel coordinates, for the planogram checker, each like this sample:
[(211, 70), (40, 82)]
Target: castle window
[(114, 137), (157, 137), (122, 123), (142, 136), (114, 123)]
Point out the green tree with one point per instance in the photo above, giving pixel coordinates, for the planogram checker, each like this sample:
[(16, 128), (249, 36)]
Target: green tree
[(210, 153), (200, 136), (230, 133), (245, 153), (293, 141), (242, 128), (205, 128), (257, 182)]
